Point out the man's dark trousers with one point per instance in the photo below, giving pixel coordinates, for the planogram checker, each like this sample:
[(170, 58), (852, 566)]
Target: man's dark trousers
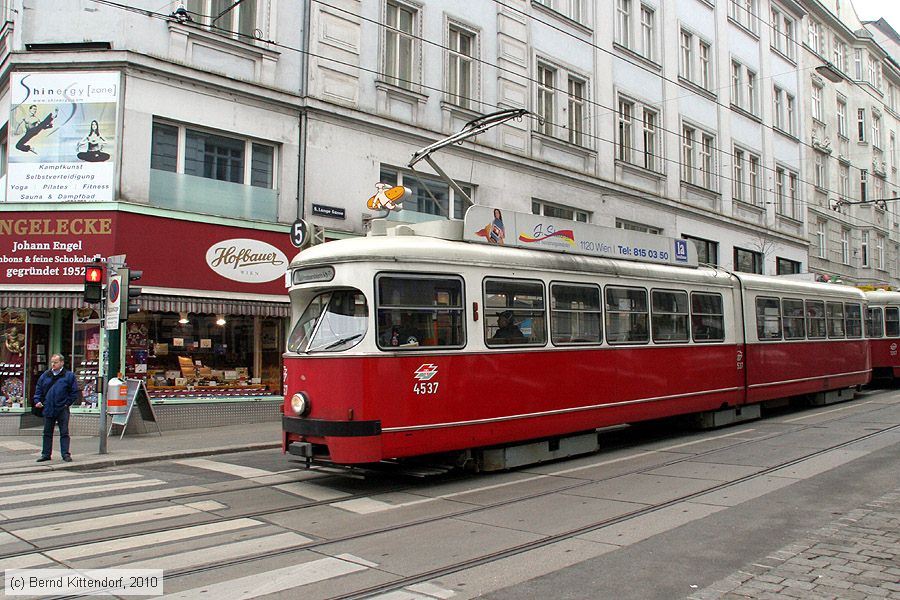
[(61, 419)]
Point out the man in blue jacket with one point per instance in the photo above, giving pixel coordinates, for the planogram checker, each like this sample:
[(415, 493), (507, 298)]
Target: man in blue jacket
[(55, 392)]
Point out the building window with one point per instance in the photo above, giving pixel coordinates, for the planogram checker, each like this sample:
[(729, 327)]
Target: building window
[(879, 252), (746, 176), (556, 211), (568, 111), (861, 124), (211, 155), (185, 161), (546, 95), (783, 28), (784, 110), (698, 157), (858, 64), (651, 143), (745, 13), (785, 266), (399, 46), (845, 246), (839, 55), (786, 199), (876, 130), (844, 181), (755, 180), (748, 261), (842, 117), (644, 151), (892, 150), (707, 251), (744, 90), (686, 63), (863, 184), (569, 8), (705, 72), (820, 175), (864, 250), (816, 38), (648, 32), (817, 102), (632, 226), (738, 178), (623, 22), (429, 196), (225, 16), (626, 139), (822, 238), (460, 66), (576, 111)]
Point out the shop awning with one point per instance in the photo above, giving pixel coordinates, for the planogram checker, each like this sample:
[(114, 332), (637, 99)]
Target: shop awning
[(214, 306), (202, 303), (42, 300)]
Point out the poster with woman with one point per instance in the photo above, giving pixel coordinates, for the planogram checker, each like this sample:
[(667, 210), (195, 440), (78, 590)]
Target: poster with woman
[(62, 136)]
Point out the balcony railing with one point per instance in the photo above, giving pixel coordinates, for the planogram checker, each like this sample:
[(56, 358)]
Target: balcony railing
[(190, 193)]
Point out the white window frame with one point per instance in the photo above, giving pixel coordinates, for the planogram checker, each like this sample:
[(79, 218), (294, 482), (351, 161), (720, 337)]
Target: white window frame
[(786, 192), (648, 32), (842, 117), (232, 23), (816, 98), (822, 237), (783, 33), (844, 181), (864, 249), (698, 158), (462, 67), (783, 110), (745, 13), (845, 246), (876, 129), (695, 61), (861, 125), (557, 107), (744, 87), (540, 207), (624, 33), (638, 139), (820, 170), (397, 71)]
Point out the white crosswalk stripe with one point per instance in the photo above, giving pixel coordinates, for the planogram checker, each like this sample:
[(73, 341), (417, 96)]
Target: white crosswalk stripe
[(221, 467), (121, 519), (14, 500), (38, 510), (150, 539), (271, 582), (69, 483)]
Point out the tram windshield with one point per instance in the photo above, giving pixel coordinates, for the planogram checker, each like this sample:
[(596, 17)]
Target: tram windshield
[(333, 321)]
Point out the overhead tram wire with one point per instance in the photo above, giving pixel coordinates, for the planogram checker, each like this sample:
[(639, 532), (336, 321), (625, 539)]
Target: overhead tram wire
[(677, 162)]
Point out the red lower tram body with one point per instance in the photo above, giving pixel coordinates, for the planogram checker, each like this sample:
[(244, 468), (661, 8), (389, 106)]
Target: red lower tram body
[(885, 357), (366, 409)]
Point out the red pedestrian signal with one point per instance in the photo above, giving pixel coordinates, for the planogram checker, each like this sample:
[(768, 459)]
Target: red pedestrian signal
[(93, 283)]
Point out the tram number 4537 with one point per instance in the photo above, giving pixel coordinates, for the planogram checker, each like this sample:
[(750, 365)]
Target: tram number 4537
[(426, 388)]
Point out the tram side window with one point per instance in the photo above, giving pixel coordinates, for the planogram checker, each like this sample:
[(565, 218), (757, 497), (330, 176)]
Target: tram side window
[(834, 313), (853, 320), (874, 323), (707, 317), (626, 315), (768, 319), (815, 319), (792, 311), (892, 322), (421, 312), (669, 316), (575, 314), (514, 312)]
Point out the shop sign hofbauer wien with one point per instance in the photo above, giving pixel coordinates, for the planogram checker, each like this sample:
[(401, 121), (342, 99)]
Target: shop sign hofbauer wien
[(62, 136), (246, 260)]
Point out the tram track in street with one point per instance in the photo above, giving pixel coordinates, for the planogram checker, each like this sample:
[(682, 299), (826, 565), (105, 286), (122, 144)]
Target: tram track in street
[(514, 550)]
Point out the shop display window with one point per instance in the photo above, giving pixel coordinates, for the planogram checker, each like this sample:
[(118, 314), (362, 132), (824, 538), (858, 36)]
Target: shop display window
[(12, 358), (86, 354), (182, 355)]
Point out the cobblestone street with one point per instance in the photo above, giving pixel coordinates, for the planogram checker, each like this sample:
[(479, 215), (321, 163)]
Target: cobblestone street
[(855, 557)]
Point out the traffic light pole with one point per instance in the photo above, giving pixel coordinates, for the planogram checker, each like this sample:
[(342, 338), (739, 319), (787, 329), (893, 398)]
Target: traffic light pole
[(102, 371)]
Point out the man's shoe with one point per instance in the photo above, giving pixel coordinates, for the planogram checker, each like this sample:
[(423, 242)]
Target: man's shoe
[(67, 458), (43, 459)]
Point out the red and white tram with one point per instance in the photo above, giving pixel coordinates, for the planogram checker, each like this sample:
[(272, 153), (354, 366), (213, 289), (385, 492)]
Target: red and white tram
[(883, 332), (405, 345)]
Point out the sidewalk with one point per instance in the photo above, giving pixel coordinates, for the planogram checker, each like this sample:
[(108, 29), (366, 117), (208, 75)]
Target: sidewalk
[(18, 453)]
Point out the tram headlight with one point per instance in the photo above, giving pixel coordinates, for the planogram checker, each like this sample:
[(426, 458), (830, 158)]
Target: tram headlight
[(300, 404)]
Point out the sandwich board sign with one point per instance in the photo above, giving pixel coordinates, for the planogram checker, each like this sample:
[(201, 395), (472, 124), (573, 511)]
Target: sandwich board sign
[(136, 396)]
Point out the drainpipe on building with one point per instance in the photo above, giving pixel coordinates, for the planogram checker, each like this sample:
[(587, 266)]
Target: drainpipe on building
[(301, 151)]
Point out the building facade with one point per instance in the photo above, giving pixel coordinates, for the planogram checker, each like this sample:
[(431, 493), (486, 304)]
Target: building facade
[(185, 137)]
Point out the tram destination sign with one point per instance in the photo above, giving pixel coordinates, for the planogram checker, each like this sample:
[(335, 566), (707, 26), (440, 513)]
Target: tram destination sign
[(489, 225)]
